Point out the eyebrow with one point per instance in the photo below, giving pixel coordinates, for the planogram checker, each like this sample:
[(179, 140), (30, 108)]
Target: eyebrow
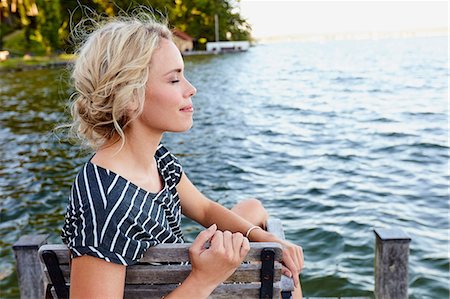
[(178, 70)]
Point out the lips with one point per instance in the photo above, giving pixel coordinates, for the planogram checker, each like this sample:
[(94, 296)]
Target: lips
[(188, 108)]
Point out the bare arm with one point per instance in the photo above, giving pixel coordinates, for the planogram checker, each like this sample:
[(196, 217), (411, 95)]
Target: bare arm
[(198, 207), (91, 277)]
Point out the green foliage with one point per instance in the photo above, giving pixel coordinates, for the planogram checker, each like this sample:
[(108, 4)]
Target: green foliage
[(49, 29), (49, 21), (17, 44), (196, 17)]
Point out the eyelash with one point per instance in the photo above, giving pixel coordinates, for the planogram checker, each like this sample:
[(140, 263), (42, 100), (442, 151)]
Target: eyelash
[(174, 81)]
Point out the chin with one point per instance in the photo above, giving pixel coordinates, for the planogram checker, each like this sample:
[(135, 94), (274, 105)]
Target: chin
[(181, 129), (188, 128)]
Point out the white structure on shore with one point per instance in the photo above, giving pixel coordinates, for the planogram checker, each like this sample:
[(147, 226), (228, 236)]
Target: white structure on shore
[(4, 55), (235, 46)]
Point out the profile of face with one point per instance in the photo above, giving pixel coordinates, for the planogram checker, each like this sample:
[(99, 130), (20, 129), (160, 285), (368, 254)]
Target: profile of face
[(168, 105)]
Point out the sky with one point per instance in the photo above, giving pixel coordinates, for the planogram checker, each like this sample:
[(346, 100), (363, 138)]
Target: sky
[(279, 18)]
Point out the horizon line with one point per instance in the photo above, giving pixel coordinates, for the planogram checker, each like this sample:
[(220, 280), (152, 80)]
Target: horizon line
[(354, 35)]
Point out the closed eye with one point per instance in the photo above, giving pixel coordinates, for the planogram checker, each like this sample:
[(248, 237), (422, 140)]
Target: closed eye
[(174, 81)]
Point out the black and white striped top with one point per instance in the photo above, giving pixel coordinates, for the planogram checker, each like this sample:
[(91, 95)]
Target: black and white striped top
[(111, 218)]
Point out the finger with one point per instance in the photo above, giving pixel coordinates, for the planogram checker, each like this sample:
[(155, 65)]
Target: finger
[(245, 248), (292, 267), (293, 251), (238, 238), (217, 241), (228, 242), (301, 257), (296, 257), (285, 271), (202, 237)]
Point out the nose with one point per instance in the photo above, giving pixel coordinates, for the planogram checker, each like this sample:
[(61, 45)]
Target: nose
[(194, 91), (191, 89)]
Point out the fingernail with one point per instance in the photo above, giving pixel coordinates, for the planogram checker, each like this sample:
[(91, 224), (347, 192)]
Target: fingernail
[(213, 227)]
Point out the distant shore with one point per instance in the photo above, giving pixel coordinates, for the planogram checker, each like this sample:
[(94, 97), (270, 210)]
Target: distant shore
[(330, 36), (17, 64)]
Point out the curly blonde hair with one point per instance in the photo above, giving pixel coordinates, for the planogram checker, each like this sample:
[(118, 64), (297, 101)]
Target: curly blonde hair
[(110, 75)]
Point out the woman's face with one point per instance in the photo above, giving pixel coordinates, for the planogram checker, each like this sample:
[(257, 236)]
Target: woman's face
[(168, 104)]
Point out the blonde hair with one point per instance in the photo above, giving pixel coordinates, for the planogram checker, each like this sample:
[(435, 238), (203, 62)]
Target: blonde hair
[(110, 75)]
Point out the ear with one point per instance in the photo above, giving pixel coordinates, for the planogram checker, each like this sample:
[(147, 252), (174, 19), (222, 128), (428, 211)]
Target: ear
[(134, 104)]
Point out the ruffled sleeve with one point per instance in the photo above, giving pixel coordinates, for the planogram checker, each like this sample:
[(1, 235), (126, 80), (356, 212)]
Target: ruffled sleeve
[(169, 165)]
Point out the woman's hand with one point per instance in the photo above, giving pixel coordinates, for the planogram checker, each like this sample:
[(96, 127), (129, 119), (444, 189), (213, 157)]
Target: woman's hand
[(293, 261), (211, 266)]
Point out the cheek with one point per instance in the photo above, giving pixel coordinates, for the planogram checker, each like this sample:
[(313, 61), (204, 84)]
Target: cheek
[(161, 97), (158, 107)]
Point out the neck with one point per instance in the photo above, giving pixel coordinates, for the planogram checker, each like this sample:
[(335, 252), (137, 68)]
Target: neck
[(138, 151)]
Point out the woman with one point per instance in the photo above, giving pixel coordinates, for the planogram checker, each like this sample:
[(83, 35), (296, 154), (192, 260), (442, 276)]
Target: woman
[(130, 89)]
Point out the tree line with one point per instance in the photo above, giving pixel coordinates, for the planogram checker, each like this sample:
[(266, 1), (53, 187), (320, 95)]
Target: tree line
[(44, 25)]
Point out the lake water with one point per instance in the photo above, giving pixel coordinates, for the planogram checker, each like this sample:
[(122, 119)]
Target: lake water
[(335, 138)]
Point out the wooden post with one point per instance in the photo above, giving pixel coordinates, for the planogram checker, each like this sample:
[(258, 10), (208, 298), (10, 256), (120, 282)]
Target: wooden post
[(29, 272), (391, 263)]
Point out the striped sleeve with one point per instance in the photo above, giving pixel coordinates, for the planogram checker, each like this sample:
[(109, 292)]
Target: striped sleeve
[(103, 214)]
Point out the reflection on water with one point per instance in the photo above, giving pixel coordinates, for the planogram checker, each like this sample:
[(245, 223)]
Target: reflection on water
[(335, 138)]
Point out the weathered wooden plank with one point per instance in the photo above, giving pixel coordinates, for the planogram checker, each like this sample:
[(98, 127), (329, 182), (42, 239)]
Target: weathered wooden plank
[(391, 264), (175, 274), (31, 283), (275, 227), (167, 274), (245, 291), (179, 252), (224, 291), (61, 250), (171, 252)]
